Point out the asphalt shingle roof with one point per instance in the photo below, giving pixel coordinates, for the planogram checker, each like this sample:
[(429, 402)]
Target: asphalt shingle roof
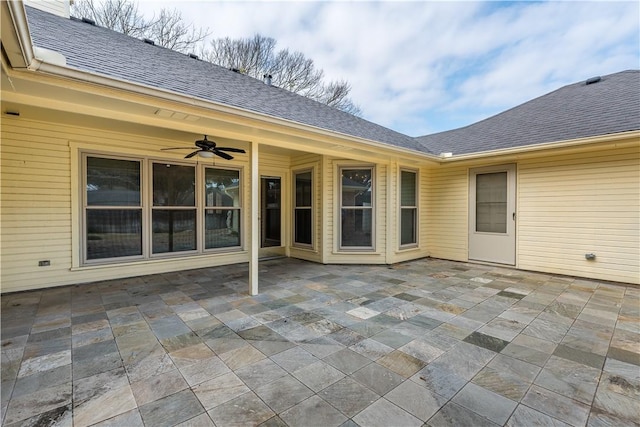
[(578, 110), (105, 52), (574, 111)]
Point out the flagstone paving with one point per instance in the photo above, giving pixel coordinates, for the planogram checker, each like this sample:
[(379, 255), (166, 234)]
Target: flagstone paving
[(426, 342)]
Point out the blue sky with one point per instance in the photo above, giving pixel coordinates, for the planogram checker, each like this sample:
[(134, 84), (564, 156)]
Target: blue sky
[(420, 67)]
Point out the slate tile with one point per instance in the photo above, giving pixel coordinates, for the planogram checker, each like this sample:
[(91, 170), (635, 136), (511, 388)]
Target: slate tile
[(377, 378), (171, 410), (313, 412), (244, 410), (383, 413)]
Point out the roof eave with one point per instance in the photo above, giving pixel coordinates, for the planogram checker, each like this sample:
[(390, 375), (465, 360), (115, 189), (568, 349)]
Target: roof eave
[(544, 146), (16, 36), (63, 71)]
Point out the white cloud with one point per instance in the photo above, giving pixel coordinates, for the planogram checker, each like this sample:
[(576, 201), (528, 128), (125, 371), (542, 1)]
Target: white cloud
[(423, 66)]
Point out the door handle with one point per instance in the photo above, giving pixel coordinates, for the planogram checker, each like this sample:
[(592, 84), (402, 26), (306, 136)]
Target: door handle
[(514, 216)]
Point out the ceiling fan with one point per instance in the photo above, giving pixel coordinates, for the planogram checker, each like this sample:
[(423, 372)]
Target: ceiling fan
[(208, 149)]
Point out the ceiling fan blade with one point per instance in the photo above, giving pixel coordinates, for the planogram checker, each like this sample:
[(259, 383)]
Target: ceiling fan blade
[(190, 155), (222, 154), (175, 148), (231, 149)]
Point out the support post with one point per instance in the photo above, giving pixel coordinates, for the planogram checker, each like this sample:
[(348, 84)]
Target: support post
[(254, 244)]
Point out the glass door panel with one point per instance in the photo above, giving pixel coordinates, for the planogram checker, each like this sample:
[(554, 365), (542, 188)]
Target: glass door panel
[(271, 212)]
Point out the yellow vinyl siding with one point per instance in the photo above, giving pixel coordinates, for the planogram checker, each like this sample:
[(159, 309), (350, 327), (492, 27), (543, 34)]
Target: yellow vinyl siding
[(57, 7), (446, 212), (36, 197), (391, 206), (570, 205), (328, 213)]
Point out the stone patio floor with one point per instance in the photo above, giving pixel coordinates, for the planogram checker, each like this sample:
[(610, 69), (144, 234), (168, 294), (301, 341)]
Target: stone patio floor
[(426, 342)]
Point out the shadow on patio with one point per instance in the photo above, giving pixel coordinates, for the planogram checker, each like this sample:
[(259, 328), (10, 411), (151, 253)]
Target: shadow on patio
[(427, 341)]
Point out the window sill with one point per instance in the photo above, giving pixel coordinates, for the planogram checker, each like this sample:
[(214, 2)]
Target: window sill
[(412, 248), (163, 260), (356, 252), (304, 248)]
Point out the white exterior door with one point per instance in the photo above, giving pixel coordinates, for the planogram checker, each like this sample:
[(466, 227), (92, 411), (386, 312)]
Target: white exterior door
[(492, 214)]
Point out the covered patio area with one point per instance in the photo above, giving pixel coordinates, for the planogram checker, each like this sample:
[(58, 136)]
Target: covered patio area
[(426, 342)]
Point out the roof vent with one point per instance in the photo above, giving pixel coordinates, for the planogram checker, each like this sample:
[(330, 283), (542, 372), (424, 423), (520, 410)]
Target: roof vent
[(593, 80), (235, 70), (193, 56), (149, 41), (89, 21), (267, 79)]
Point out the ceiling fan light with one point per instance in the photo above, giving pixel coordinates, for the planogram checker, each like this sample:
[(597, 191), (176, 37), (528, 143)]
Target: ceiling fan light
[(205, 154)]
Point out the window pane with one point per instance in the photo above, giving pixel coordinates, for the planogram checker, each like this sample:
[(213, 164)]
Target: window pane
[(114, 233), (303, 189), (356, 187), (222, 187), (271, 227), (173, 185), (491, 202), (303, 226), (174, 230), (222, 228), (356, 227), (113, 182), (408, 226), (407, 188)]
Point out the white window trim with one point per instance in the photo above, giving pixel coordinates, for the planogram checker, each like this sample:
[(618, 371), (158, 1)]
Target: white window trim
[(294, 208), (151, 208), (79, 233), (338, 203), (239, 208), (84, 261), (407, 246)]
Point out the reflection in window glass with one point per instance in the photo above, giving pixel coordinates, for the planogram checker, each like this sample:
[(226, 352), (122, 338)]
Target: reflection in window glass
[(113, 233), (303, 189), (112, 182), (112, 209), (173, 230), (222, 228), (491, 202), (173, 185), (408, 227), (356, 208), (408, 208), (222, 187), (303, 222), (356, 228), (303, 226), (356, 187), (120, 221), (222, 224)]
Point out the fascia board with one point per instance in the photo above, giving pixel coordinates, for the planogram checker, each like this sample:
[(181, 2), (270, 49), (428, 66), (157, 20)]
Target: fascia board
[(545, 146), (16, 37)]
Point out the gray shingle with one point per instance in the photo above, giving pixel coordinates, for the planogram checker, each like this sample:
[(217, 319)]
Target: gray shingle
[(101, 51), (574, 111)]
